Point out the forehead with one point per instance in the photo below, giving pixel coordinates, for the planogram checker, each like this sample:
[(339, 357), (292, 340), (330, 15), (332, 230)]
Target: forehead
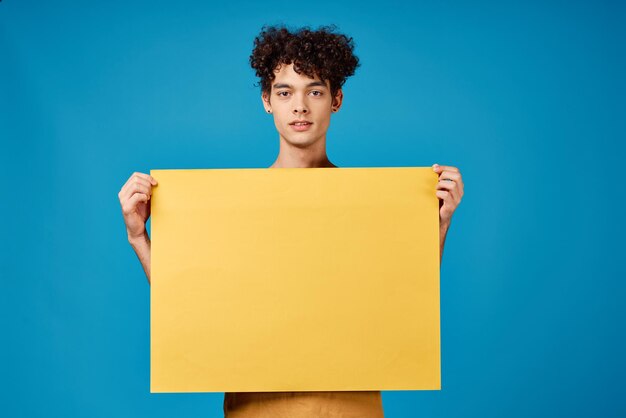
[(285, 74)]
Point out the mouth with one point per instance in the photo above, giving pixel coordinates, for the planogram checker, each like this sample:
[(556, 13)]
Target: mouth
[(301, 126)]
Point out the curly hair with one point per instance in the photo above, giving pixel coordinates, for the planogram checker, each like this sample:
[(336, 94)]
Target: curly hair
[(321, 52)]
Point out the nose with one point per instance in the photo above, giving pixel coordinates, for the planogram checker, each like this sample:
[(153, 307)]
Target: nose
[(300, 107)]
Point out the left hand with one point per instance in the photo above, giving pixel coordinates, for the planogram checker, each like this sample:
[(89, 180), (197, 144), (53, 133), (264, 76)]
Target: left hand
[(449, 191)]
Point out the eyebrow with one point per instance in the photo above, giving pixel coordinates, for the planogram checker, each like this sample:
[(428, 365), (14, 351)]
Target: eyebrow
[(283, 85)]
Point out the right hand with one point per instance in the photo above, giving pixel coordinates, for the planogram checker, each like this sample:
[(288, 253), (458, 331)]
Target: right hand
[(134, 199)]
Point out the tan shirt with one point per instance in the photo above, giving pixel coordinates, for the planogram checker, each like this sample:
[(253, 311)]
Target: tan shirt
[(362, 404)]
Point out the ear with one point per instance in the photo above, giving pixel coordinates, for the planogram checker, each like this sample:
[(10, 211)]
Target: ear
[(265, 98), (337, 100)]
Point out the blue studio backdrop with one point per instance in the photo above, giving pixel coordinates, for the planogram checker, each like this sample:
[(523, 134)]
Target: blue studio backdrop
[(525, 97)]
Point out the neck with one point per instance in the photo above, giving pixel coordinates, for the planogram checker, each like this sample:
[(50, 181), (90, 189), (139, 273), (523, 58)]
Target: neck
[(313, 156)]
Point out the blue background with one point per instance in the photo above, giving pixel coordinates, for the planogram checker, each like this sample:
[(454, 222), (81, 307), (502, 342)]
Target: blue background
[(526, 98)]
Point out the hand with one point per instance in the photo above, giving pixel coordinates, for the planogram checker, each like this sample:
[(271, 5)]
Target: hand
[(134, 197), (449, 191)]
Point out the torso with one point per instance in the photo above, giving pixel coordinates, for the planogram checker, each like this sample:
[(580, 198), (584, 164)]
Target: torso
[(344, 404), (359, 404)]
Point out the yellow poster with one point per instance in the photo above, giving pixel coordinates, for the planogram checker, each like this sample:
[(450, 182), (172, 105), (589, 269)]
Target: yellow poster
[(295, 279)]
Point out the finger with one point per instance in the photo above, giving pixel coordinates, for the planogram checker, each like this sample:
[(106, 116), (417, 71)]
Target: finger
[(143, 176), (136, 185), (442, 194), (124, 193), (461, 190), (450, 175), (439, 168), (446, 205), (446, 185), (130, 205), (451, 187), (136, 176), (148, 177)]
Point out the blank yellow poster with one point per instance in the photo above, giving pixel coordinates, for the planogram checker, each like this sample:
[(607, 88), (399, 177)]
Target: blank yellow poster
[(295, 279)]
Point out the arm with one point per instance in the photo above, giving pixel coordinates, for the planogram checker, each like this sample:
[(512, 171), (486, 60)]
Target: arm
[(443, 231), (135, 202), (142, 246), (449, 190)]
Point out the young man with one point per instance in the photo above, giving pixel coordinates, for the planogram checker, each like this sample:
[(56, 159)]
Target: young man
[(301, 75)]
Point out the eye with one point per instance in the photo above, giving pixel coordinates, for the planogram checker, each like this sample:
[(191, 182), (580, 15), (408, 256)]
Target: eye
[(280, 93), (317, 91)]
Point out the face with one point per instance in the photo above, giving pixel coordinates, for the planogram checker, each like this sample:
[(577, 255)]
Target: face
[(296, 97)]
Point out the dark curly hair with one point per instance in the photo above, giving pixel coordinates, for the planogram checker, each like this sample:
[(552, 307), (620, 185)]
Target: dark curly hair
[(321, 52)]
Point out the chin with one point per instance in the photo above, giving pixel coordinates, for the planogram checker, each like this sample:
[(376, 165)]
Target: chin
[(302, 141)]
